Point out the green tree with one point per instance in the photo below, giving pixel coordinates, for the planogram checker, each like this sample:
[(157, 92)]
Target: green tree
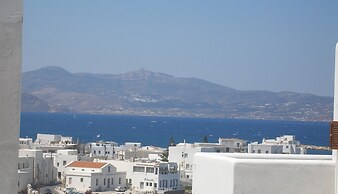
[(205, 139), (164, 156), (172, 141)]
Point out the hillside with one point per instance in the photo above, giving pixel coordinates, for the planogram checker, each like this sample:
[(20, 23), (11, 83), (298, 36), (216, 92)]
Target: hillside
[(144, 92)]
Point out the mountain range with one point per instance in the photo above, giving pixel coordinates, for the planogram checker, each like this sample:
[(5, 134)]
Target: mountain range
[(142, 92)]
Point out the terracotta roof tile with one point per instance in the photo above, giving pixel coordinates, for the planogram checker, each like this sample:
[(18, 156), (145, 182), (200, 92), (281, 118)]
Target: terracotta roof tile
[(83, 164)]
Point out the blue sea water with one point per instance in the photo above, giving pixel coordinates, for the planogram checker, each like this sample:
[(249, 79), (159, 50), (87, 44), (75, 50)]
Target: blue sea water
[(157, 131)]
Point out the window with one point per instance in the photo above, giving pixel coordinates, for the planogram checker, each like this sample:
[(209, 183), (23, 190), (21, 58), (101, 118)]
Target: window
[(151, 184), (112, 181), (155, 185), (99, 152), (147, 184), (57, 164), (104, 181), (238, 145), (150, 170), (259, 151), (156, 170), (119, 181), (81, 180), (108, 168), (70, 180), (138, 169), (171, 183), (64, 162), (130, 181), (266, 151), (160, 183), (97, 182), (82, 169), (227, 149)]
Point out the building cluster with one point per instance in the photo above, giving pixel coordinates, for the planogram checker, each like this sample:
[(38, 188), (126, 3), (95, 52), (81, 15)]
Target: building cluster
[(286, 144), (107, 166)]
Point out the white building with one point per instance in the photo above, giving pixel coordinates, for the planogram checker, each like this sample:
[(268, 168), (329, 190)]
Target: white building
[(103, 149), (149, 176), (233, 145), (25, 172), (35, 168), (95, 176), (52, 142), (61, 158), (286, 144), (130, 150), (25, 143), (134, 152), (183, 153)]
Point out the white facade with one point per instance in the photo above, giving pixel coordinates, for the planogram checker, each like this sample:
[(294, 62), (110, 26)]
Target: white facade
[(149, 176), (25, 143), (35, 168), (286, 144), (183, 153), (61, 158), (263, 174), (233, 145), (47, 138), (25, 172), (103, 149), (10, 74), (52, 142), (95, 176), (130, 150), (135, 152)]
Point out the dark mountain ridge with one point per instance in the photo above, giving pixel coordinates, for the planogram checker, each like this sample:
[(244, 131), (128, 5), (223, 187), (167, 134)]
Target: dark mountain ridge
[(144, 92)]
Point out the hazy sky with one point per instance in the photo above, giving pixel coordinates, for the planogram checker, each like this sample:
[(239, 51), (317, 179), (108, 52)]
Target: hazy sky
[(284, 45)]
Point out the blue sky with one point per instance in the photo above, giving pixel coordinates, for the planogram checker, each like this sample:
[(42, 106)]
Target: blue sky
[(248, 45)]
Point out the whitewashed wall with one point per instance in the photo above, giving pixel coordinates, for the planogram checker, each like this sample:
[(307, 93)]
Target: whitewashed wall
[(263, 174), (10, 73)]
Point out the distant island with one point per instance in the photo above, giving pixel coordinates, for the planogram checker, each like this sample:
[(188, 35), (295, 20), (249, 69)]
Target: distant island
[(142, 92)]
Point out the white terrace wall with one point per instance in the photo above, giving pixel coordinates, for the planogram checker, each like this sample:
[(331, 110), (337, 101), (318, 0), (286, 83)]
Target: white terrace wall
[(263, 174)]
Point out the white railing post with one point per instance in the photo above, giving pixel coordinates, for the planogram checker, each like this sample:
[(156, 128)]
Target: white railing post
[(335, 117)]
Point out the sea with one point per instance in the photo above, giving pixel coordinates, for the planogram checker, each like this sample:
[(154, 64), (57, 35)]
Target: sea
[(158, 130)]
